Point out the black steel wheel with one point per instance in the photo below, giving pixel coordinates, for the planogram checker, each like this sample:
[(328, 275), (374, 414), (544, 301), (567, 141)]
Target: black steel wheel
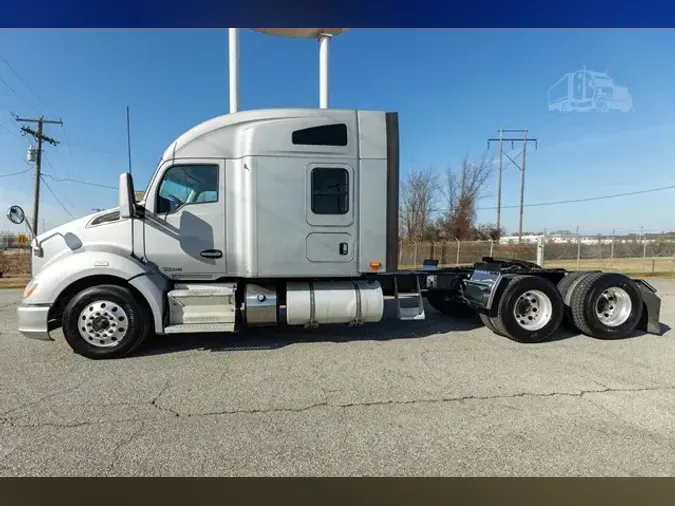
[(445, 305), (606, 305), (529, 310), (105, 322)]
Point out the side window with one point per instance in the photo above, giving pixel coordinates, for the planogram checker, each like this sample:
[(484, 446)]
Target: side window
[(326, 135), (330, 191), (187, 184)]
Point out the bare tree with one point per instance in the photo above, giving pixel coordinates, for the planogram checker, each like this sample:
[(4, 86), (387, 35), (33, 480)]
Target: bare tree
[(419, 199), (463, 189)]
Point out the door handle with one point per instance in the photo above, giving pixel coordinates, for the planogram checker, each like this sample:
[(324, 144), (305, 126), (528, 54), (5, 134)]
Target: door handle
[(211, 253), (344, 249)]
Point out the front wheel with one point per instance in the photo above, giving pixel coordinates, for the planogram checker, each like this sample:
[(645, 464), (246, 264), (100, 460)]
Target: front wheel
[(105, 322), (529, 310)]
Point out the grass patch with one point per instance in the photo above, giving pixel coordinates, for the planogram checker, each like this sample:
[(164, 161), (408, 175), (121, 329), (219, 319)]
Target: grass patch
[(14, 282)]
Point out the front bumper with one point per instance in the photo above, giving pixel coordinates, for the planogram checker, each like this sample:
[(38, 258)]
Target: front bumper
[(32, 321)]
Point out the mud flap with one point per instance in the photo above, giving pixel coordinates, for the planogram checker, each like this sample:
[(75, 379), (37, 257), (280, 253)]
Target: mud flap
[(651, 314)]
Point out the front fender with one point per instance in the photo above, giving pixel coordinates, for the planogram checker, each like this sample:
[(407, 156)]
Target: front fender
[(46, 287)]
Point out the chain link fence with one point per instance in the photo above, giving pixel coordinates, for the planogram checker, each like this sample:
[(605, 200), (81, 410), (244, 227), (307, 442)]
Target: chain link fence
[(449, 253), (631, 255)]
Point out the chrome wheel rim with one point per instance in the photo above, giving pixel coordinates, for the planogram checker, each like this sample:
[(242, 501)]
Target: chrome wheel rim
[(533, 310), (613, 307), (103, 324)]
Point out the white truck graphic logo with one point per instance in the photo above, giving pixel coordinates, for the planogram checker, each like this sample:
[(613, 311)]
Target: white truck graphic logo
[(586, 90)]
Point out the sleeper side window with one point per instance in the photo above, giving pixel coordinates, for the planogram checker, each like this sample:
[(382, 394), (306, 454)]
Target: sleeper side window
[(330, 191), (325, 135), (187, 184)]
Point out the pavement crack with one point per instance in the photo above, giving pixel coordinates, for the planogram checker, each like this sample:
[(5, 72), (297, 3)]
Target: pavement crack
[(5, 420), (436, 400), (259, 411), (124, 442), (65, 425), (154, 402), (41, 399)]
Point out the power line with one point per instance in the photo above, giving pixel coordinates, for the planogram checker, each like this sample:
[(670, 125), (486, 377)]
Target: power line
[(16, 93), (95, 150), (23, 81), (57, 199), (9, 87), (77, 181), (65, 171), (14, 71), (15, 173), (10, 131), (587, 199), (70, 149)]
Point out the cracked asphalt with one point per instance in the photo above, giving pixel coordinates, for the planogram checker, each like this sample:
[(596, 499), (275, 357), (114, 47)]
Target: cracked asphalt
[(435, 398)]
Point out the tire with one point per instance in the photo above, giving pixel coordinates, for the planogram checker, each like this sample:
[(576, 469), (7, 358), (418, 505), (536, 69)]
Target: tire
[(565, 286), (489, 318), (490, 323), (606, 305), (448, 307), (122, 322), (529, 310)]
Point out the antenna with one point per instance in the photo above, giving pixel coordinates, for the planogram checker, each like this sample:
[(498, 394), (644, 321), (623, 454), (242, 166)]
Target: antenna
[(323, 35), (128, 139)]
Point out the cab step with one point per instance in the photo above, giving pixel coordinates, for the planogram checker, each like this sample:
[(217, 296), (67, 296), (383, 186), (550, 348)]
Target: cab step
[(199, 328), (409, 306), (208, 306)]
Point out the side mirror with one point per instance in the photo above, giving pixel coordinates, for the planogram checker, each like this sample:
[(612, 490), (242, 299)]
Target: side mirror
[(127, 198), (16, 215)]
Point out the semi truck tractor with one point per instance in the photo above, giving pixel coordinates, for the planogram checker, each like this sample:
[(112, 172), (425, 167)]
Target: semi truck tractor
[(286, 217)]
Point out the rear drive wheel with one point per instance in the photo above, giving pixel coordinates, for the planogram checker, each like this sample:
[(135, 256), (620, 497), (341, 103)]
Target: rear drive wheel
[(529, 310), (442, 303), (606, 305), (104, 322), (565, 287), (489, 322)]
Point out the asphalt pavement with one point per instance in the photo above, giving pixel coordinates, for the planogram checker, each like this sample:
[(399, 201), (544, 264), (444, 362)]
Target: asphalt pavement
[(435, 398)]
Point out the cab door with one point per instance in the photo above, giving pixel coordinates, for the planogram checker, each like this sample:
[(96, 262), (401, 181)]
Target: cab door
[(185, 220)]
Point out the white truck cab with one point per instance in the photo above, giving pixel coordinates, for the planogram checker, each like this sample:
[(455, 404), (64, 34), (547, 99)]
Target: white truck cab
[(238, 207), (285, 216)]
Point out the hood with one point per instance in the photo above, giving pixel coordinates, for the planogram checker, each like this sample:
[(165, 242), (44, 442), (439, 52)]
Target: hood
[(102, 231)]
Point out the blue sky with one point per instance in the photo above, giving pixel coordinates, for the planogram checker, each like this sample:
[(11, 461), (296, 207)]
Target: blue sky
[(452, 88)]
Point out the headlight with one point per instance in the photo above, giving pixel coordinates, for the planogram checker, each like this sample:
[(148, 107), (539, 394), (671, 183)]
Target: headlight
[(30, 288)]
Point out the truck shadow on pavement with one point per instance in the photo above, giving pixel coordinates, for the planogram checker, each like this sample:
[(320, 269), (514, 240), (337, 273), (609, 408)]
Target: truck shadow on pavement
[(390, 328)]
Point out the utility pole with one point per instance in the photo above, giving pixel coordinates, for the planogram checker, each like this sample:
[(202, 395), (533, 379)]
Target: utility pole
[(40, 137), (522, 188), (501, 139), (499, 184)]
